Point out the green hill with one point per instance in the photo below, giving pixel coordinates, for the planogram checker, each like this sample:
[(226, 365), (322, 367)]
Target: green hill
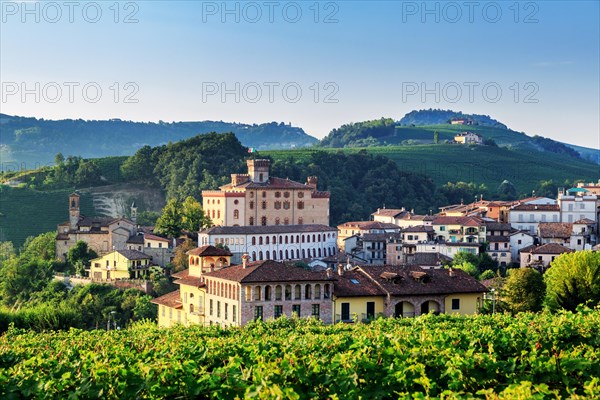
[(35, 141)]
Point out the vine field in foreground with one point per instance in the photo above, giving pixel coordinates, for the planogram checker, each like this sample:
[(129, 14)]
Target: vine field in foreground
[(499, 356)]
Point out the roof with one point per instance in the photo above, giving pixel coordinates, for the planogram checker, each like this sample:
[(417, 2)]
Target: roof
[(172, 299), (259, 229), (463, 221), (497, 226), (368, 225), (418, 228), (413, 280), (561, 230), (536, 207), (150, 236), (521, 232), (550, 248), (136, 239), (427, 259), (380, 237), (209, 251), (498, 238), (134, 255), (267, 271), (584, 221), (190, 281), (390, 212), (271, 183), (355, 283)]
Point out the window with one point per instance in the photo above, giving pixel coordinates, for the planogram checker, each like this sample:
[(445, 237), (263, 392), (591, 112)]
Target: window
[(251, 195), (258, 313), (456, 304), (286, 221), (236, 214), (370, 309), (210, 307), (234, 313), (263, 221), (316, 311), (251, 205), (264, 205), (277, 222), (286, 194), (253, 241), (236, 202), (307, 292), (286, 205), (277, 311), (226, 310), (345, 312), (297, 292), (218, 309), (251, 221), (442, 228), (296, 310), (277, 205), (300, 205), (277, 194), (163, 310), (300, 195)]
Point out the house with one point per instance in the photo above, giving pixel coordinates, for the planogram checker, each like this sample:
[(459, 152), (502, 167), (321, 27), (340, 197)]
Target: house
[(273, 242), (159, 248), (348, 229), (468, 138), (120, 264), (401, 217), (576, 236), (526, 217), (395, 291), (448, 249), (187, 304), (541, 257), (577, 204), (519, 240), (459, 229), (258, 199), (102, 234), (498, 239)]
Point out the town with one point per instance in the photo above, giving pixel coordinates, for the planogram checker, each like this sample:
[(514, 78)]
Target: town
[(269, 251)]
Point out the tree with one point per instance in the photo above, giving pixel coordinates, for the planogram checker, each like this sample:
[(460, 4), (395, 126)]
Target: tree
[(181, 260), (436, 137), (462, 256), (42, 246), (59, 159), (507, 191), (573, 279), (525, 290), (170, 222), (468, 268), (144, 309), (80, 254), (192, 215), (87, 173)]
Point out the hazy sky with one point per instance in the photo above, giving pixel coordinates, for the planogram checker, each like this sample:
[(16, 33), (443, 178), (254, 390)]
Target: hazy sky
[(532, 65)]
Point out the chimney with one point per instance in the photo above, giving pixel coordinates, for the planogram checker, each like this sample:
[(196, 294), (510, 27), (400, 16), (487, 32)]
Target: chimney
[(328, 273), (312, 182), (450, 272), (340, 269), (245, 258)]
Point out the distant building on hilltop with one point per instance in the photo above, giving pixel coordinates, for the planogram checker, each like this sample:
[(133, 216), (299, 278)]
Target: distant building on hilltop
[(468, 138)]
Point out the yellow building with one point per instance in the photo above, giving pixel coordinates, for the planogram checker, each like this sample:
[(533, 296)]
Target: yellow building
[(459, 229), (120, 264), (256, 198), (367, 292), (186, 305)]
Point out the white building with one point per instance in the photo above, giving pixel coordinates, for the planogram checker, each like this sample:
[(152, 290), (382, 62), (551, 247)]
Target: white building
[(526, 217), (276, 242), (448, 249), (577, 204), (519, 240)]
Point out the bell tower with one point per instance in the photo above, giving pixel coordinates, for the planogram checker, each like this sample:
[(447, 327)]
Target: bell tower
[(259, 170), (133, 213), (74, 210)]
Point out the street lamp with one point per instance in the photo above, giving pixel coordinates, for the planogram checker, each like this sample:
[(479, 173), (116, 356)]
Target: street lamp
[(493, 300)]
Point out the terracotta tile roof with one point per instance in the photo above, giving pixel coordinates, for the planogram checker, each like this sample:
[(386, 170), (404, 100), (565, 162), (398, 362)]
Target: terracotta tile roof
[(462, 244), (320, 195), (136, 239), (380, 237), (462, 221), (418, 228), (535, 207), (584, 221), (562, 230), (269, 229), (271, 183), (498, 239), (134, 255), (413, 280), (209, 251), (368, 225), (390, 212), (267, 271), (427, 259), (172, 300), (181, 274), (497, 226), (549, 248), (355, 283), (190, 281), (150, 236)]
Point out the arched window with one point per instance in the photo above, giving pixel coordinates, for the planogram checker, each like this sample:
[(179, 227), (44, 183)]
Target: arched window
[(286, 239), (260, 255), (281, 254), (253, 256), (292, 239), (319, 237), (286, 255), (260, 240), (264, 205), (303, 254), (286, 194), (257, 293), (280, 239), (274, 239), (319, 252), (267, 293), (278, 293), (288, 292), (218, 213), (251, 221), (297, 238), (248, 292), (263, 221), (266, 240), (297, 292), (327, 291), (317, 292), (302, 238), (253, 241), (236, 214), (274, 255), (314, 238), (307, 292), (297, 253)]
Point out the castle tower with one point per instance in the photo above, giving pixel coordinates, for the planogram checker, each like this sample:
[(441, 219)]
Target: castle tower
[(74, 210), (259, 170), (312, 182)]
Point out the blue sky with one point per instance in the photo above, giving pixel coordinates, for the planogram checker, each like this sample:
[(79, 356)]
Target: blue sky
[(533, 65)]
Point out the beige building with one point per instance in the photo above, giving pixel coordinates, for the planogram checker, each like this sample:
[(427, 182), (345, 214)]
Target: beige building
[(541, 257), (468, 138), (120, 264), (348, 229), (102, 234), (256, 198)]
